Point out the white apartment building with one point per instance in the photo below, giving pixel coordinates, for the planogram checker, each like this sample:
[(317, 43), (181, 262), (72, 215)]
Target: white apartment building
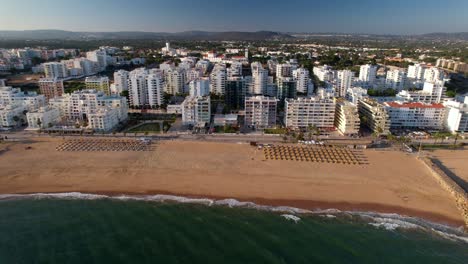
[(324, 73), (78, 105), (456, 118), (347, 120), (14, 96), (199, 87), (204, 65), (260, 111), (138, 87), (259, 79), (120, 81), (155, 86), (175, 81), (313, 111), (193, 74), (218, 80), (396, 79), (355, 94), (235, 70), (103, 119), (434, 74), (196, 111), (44, 117), (416, 72), (343, 82), (367, 74), (374, 115), (51, 87), (98, 83), (12, 115), (431, 93), (55, 70), (303, 83), (415, 115), (98, 56), (285, 70)]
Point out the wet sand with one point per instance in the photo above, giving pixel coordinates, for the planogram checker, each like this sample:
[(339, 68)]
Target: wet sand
[(392, 182)]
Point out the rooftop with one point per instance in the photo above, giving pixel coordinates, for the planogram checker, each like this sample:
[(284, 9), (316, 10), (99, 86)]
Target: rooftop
[(413, 105)]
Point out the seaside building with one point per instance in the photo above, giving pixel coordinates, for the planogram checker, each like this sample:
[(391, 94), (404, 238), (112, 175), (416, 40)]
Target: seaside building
[(14, 96), (12, 115), (98, 83), (374, 116), (415, 115), (80, 105), (51, 88), (104, 119), (347, 120), (260, 111), (456, 118), (196, 111), (44, 117), (314, 111)]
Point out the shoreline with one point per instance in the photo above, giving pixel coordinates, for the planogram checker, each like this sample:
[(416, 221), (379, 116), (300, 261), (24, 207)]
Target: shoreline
[(389, 183), (309, 205)]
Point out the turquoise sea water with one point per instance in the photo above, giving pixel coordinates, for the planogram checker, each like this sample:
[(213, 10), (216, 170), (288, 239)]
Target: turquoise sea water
[(115, 231)]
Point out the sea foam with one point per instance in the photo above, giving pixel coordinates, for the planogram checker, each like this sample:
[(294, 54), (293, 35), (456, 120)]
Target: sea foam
[(378, 220)]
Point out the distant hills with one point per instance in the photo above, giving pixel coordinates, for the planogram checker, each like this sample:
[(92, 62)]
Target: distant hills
[(187, 35), (202, 35)]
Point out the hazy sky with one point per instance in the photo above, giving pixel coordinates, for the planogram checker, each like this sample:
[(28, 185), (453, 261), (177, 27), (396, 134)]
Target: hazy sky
[(347, 16)]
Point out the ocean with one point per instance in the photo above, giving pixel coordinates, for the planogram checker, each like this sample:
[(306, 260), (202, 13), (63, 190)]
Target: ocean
[(80, 228)]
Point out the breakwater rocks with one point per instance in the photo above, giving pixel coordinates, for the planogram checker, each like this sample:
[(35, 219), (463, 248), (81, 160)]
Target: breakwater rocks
[(459, 194)]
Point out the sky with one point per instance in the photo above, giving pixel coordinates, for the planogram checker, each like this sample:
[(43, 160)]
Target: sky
[(338, 16)]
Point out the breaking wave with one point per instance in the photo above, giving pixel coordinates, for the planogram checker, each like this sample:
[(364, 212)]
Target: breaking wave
[(389, 222)]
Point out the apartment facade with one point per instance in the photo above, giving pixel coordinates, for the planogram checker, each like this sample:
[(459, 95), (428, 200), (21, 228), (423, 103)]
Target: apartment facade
[(260, 111), (314, 111), (347, 120), (374, 116)]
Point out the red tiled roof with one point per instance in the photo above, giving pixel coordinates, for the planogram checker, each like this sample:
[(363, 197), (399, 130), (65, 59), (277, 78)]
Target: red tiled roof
[(413, 105)]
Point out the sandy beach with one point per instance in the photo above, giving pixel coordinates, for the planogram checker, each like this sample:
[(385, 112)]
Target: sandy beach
[(454, 161), (392, 182)]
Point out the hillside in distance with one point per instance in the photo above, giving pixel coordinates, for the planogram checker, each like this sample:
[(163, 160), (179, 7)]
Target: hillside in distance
[(187, 35)]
